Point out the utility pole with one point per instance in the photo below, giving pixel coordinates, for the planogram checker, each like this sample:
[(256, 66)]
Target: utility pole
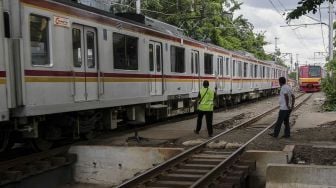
[(331, 21), (297, 69), (291, 59), (138, 7), (276, 48)]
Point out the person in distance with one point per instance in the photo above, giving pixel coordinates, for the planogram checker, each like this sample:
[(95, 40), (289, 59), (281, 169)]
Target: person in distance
[(206, 99), (286, 101)]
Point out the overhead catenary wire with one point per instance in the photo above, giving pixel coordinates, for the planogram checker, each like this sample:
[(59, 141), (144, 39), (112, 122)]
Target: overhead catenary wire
[(279, 12)]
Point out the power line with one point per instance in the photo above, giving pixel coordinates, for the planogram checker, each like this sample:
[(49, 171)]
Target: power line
[(276, 9), (282, 5)]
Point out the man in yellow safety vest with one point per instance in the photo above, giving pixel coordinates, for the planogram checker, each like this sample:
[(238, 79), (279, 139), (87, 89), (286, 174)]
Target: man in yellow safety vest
[(206, 98)]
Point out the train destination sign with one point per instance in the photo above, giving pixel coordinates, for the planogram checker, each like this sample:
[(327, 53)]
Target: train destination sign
[(61, 21)]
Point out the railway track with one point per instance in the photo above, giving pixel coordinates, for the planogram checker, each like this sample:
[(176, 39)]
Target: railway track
[(34, 164), (201, 166)]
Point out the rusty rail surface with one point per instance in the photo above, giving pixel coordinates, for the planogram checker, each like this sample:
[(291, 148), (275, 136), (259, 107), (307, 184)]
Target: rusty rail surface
[(211, 164)]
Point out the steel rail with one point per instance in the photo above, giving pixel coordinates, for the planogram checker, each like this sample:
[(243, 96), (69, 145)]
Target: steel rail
[(225, 164), (184, 155)]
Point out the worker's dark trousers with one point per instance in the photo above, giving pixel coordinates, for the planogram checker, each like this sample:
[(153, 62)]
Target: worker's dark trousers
[(208, 118), (283, 118)]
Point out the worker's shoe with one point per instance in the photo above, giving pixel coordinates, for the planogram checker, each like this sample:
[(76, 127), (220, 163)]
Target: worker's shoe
[(272, 135)]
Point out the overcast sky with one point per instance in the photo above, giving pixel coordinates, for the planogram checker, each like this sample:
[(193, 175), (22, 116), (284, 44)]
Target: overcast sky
[(305, 41)]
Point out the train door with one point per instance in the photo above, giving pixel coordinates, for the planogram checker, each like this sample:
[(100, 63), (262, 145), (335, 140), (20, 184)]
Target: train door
[(155, 68), (195, 71), (85, 71), (220, 73)]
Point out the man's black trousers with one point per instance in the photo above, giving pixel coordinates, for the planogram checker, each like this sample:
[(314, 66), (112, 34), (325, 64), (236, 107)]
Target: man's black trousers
[(283, 118), (208, 118)]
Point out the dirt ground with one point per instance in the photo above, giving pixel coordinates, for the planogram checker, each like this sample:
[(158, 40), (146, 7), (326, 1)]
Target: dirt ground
[(315, 143)]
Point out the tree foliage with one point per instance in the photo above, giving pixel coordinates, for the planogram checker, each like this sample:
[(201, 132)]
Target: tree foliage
[(306, 6), (205, 20)]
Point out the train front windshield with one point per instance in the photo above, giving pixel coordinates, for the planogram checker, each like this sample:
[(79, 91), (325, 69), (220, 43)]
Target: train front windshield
[(314, 71)]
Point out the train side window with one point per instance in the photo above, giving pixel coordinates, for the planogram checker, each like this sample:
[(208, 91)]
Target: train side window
[(233, 68), (251, 70), (263, 71), (76, 47), (125, 52), (208, 64), (39, 40), (91, 56), (151, 57), (158, 58), (240, 71), (245, 69), (255, 71), (227, 66), (177, 59)]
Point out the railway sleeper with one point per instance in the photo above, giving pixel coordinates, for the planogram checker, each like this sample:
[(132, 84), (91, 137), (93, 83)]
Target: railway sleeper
[(180, 177), (190, 171), (209, 156), (213, 152), (177, 184), (197, 166), (204, 161)]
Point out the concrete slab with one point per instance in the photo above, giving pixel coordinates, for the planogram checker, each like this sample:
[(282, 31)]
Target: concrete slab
[(107, 165), (299, 176), (263, 158), (309, 120)]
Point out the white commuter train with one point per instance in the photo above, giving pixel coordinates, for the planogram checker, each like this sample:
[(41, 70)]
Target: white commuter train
[(66, 69)]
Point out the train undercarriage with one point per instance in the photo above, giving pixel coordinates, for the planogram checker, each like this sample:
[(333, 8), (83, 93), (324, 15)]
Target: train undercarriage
[(42, 132)]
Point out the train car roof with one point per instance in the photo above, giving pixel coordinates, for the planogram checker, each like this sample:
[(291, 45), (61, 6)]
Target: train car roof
[(159, 26)]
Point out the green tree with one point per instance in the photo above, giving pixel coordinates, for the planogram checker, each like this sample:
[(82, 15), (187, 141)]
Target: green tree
[(304, 7), (205, 20), (292, 75)]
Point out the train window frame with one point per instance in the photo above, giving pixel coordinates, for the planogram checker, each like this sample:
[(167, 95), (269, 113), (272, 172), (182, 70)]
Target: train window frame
[(48, 40), (125, 68), (245, 69), (220, 65), (233, 68), (255, 71), (240, 69), (183, 67), (194, 70), (206, 69), (227, 66), (251, 70), (80, 59)]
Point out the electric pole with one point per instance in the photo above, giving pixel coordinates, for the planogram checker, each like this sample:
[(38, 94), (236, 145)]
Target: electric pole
[(297, 68), (138, 7)]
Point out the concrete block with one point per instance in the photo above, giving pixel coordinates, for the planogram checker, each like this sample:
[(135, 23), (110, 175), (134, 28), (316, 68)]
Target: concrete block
[(263, 158), (110, 165), (300, 176)]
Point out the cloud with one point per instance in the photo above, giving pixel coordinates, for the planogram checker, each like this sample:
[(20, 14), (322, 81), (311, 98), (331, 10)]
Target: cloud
[(304, 41)]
